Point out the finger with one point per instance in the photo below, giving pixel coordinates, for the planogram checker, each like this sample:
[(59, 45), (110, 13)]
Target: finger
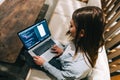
[(53, 51), (54, 46), (36, 57)]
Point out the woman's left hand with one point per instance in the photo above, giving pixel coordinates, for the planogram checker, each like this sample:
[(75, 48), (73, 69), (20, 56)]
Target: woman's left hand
[(38, 60), (57, 50)]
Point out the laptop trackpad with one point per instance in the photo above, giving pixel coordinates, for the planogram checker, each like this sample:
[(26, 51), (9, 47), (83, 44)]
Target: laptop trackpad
[(48, 55)]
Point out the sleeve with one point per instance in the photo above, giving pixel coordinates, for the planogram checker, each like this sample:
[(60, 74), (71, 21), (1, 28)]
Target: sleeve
[(60, 75), (70, 70)]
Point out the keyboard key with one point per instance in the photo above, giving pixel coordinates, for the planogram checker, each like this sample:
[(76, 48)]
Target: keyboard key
[(44, 47)]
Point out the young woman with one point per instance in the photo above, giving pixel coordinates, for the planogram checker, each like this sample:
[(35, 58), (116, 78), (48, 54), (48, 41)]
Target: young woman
[(79, 57)]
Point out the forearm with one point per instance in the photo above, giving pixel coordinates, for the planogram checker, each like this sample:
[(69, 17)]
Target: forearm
[(53, 70)]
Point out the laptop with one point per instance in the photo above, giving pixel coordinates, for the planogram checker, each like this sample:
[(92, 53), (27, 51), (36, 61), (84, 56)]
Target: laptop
[(37, 40)]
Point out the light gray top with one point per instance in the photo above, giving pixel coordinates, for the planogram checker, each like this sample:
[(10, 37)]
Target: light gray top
[(71, 68)]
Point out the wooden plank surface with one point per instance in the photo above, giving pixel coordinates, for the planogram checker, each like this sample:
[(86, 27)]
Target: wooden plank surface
[(114, 66), (15, 15), (117, 77), (114, 54)]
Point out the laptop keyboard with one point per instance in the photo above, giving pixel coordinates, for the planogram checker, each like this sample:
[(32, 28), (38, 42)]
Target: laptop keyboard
[(44, 47)]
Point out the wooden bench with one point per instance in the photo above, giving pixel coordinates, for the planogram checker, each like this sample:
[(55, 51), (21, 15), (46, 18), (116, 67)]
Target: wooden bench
[(112, 35)]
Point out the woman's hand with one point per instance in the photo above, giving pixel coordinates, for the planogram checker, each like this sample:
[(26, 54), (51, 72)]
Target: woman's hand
[(57, 50), (38, 60)]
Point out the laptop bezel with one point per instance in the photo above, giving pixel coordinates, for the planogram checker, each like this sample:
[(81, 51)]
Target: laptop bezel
[(29, 27)]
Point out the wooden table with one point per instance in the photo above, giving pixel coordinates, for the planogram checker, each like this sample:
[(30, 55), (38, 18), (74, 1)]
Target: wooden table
[(15, 15)]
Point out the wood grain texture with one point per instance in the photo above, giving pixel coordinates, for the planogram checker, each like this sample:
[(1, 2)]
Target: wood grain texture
[(15, 15)]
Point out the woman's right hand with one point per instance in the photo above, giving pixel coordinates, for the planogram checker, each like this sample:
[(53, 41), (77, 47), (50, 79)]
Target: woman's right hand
[(57, 50), (38, 60)]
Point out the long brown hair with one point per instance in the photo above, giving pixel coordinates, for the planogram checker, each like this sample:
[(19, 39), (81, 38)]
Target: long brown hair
[(91, 20)]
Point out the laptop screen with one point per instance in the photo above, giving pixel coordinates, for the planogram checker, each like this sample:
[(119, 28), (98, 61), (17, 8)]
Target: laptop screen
[(34, 34)]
